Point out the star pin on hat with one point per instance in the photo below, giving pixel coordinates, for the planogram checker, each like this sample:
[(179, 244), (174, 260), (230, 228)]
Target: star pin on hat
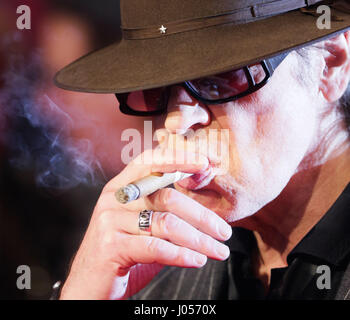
[(169, 41)]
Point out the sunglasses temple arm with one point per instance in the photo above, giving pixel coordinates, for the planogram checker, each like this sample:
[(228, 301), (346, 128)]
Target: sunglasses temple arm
[(277, 60), (249, 76)]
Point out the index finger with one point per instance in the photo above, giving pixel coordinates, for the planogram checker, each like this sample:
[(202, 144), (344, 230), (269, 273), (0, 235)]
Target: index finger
[(158, 160), (186, 208)]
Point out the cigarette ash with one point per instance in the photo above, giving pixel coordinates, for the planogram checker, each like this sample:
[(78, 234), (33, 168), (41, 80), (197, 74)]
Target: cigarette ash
[(39, 136)]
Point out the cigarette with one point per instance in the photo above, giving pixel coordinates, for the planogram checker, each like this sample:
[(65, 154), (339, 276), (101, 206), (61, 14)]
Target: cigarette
[(148, 185)]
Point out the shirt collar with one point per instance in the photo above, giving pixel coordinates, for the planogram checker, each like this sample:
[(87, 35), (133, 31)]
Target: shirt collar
[(329, 239), (242, 241)]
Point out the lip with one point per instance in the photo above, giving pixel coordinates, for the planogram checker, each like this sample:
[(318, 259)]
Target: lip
[(197, 181)]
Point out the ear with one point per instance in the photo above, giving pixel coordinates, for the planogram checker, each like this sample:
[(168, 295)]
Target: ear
[(336, 72)]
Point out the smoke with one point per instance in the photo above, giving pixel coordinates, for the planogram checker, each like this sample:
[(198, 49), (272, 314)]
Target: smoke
[(39, 133)]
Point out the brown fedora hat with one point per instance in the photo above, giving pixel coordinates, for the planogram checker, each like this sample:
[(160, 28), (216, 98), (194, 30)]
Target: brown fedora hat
[(169, 41)]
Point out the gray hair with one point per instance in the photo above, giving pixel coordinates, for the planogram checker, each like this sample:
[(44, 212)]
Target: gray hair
[(343, 104)]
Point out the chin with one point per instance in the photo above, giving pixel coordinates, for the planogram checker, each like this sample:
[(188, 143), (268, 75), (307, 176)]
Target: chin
[(221, 195)]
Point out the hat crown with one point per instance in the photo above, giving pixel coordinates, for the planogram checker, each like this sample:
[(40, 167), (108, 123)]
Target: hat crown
[(144, 13)]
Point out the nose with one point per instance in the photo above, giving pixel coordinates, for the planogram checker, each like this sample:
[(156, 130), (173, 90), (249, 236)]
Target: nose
[(184, 112)]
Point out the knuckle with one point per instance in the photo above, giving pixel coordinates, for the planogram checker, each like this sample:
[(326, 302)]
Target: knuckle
[(107, 199), (168, 222), (101, 202), (202, 241), (205, 218), (168, 196), (164, 199), (104, 220), (154, 246), (183, 255), (105, 227), (106, 188)]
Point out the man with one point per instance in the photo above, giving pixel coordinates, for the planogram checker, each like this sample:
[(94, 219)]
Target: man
[(283, 198)]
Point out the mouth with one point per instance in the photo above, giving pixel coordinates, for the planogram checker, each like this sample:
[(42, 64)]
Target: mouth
[(197, 181)]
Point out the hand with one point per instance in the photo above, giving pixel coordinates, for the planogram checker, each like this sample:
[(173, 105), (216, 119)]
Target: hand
[(114, 261)]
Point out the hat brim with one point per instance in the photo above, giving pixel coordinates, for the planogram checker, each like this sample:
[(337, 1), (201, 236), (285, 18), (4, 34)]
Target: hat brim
[(131, 65)]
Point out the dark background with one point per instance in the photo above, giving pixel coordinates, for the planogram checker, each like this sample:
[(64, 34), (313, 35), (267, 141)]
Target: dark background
[(42, 225)]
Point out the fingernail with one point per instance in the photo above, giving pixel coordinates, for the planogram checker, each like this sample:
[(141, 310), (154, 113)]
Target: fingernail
[(225, 231), (200, 259), (223, 251)]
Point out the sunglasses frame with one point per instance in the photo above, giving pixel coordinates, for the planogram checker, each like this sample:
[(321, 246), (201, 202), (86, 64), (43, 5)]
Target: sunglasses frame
[(268, 65)]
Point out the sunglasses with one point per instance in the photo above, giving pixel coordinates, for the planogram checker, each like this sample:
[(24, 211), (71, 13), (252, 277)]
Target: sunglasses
[(212, 90)]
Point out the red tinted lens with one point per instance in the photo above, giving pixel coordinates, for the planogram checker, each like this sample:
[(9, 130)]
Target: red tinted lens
[(227, 84), (221, 86), (147, 100)]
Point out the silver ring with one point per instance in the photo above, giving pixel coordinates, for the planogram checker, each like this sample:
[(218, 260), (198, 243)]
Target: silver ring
[(145, 222)]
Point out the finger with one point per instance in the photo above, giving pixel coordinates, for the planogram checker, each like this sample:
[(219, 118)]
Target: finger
[(202, 218), (168, 226), (159, 160), (145, 249), (171, 200)]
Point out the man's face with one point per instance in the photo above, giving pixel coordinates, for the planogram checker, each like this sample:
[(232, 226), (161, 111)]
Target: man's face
[(270, 133)]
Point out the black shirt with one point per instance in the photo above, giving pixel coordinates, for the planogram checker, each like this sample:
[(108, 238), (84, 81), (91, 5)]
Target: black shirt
[(318, 267)]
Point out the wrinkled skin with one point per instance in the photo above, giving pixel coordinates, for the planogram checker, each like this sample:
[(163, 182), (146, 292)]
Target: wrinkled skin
[(280, 181)]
